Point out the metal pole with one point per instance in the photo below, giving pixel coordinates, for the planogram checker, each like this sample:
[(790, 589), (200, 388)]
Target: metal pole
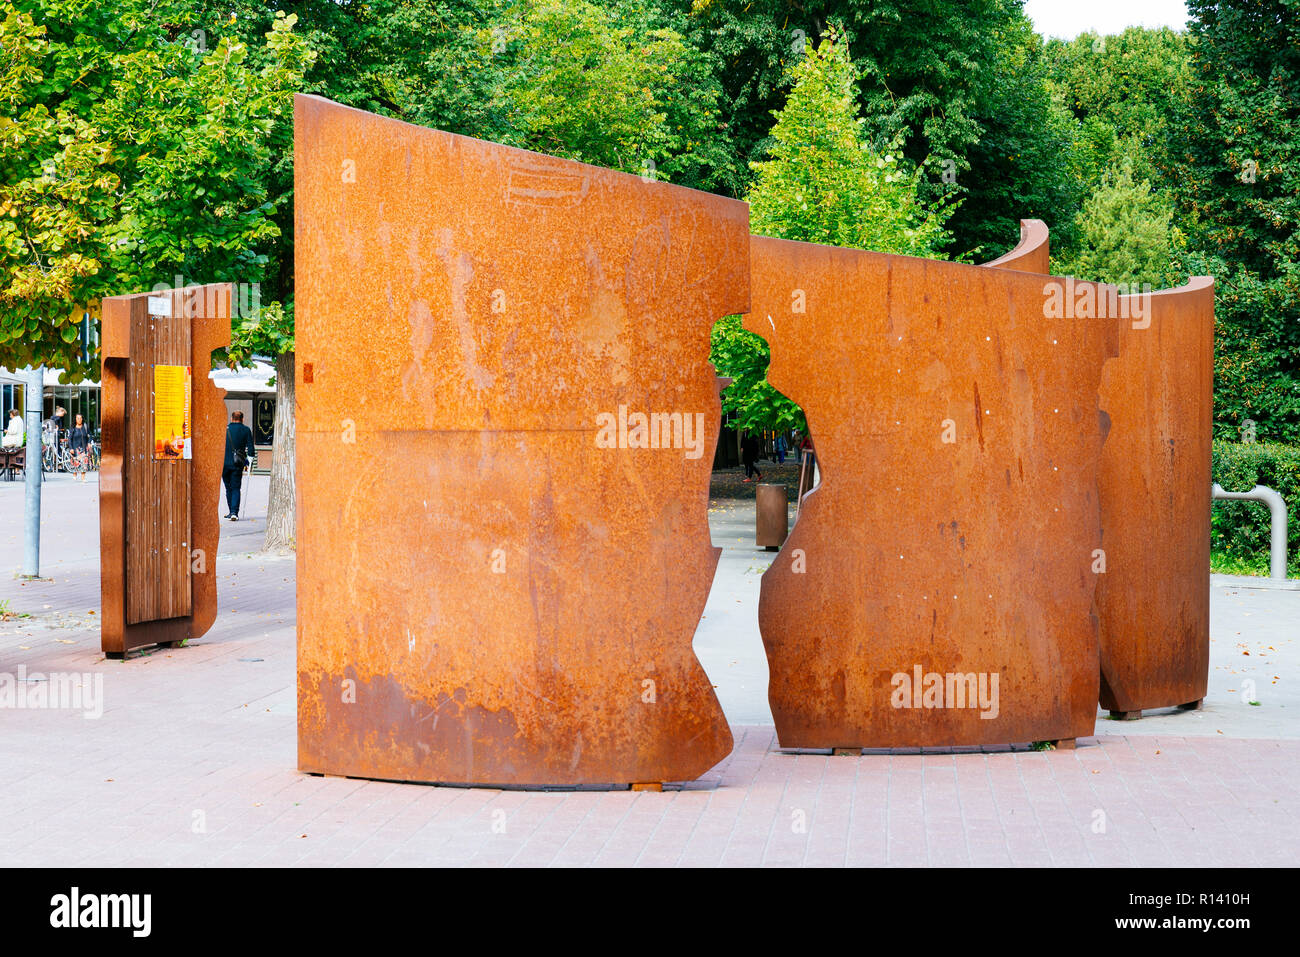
[(1277, 532), (34, 398)]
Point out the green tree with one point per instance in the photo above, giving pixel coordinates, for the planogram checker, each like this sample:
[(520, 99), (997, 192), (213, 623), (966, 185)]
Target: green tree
[(1123, 90), (132, 153), (58, 192), (822, 184), (1126, 234), (960, 86), (1235, 164), (1023, 164)]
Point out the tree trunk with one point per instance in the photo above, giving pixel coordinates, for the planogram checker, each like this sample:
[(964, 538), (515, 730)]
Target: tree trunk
[(281, 506)]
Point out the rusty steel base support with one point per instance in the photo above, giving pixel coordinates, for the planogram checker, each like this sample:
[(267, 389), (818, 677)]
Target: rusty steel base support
[(648, 786), (1064, 744), (846, 752), (1196, 705)]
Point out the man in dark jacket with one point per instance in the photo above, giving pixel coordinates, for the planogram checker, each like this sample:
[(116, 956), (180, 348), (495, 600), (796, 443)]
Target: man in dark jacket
[(750, 446), (239, 452)]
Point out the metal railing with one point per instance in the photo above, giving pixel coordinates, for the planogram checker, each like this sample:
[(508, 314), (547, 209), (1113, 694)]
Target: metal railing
[(1277, 534)]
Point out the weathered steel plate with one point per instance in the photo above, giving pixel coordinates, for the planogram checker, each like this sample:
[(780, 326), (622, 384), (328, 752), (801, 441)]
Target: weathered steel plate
[(919, 555), (1032, 254), (1154, 599), (485, 594)]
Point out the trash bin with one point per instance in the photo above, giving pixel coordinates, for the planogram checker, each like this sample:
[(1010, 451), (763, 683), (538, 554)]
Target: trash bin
[(771, 516)]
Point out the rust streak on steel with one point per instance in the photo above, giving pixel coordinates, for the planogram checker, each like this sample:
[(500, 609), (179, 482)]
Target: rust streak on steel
[(916, 556), (1154, 598), (468, 312)]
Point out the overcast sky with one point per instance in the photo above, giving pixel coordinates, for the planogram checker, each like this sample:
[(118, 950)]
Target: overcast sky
[(1067, 18)]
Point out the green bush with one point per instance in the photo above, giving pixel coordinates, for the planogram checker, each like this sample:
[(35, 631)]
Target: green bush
[(1239, 530)]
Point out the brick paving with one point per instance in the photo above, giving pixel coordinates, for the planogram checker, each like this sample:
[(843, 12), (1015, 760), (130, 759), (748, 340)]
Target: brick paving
[(193, 763)]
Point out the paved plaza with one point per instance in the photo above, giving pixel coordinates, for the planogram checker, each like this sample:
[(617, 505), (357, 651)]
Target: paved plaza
[(193, 759)]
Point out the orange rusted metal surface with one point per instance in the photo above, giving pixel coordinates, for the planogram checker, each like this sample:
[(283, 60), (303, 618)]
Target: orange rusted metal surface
[(487, 594), (1154, 598), (158, 522), (1032, 254), (952, 534)]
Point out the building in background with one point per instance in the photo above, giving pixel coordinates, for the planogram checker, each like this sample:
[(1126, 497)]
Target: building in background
[(12, 388), (81, 398)]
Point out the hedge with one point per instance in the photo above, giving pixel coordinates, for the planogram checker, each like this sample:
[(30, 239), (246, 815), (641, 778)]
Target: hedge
[(1240, 530)]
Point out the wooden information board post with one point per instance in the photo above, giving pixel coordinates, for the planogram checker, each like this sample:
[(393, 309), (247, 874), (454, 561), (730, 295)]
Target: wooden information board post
[(163, 446)]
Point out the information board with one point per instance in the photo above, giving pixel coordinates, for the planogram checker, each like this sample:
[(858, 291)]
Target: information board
[(172, 418)]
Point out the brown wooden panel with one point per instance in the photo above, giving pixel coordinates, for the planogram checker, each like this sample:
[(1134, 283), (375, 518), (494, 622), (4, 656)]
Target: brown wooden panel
[(158, 493), (158, 527)]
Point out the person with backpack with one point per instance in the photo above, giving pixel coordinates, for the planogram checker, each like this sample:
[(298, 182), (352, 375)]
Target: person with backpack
[(239, 451)]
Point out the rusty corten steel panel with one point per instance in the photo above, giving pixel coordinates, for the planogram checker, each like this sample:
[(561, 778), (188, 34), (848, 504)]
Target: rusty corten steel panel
[(1154, 598), (1153, 601), (1032, 254), (920, 556), (158, 523), (486, 595)]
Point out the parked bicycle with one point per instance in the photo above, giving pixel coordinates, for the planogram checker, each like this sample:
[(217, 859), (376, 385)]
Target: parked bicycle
[(60, 457)]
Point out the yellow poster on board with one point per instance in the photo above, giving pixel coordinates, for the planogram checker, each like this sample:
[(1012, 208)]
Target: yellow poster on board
[(172, 423)]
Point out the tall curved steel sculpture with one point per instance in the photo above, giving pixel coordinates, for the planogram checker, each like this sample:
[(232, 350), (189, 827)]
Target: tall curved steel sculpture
[(1154, 598), (506, 424), (1032, 254), (938, 587)]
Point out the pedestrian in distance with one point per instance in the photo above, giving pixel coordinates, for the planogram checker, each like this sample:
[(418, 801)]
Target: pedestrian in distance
[(239, 453), (79, 443), (749, 448)]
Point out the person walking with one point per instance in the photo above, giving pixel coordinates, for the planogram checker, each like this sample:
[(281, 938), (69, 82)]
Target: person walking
[(239, 452), (749, 455), (780, 449), (79, 442)]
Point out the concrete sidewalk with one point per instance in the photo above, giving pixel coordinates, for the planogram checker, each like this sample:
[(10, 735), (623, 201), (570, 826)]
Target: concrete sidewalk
[(193, 761)]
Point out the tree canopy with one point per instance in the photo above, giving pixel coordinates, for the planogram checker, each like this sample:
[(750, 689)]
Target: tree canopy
[(823, 184), (133, 153)]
